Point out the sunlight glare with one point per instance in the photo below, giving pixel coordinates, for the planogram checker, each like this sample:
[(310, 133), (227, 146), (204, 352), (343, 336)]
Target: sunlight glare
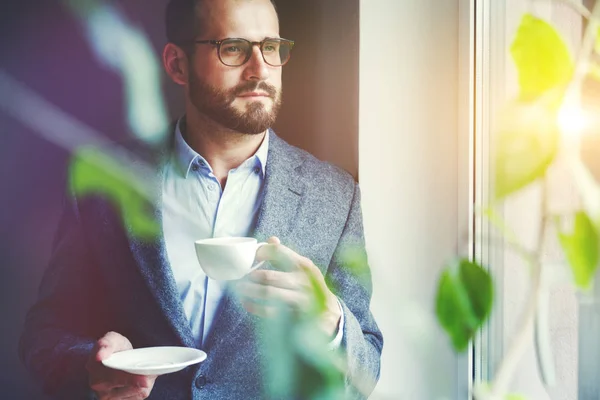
[(572, 120)]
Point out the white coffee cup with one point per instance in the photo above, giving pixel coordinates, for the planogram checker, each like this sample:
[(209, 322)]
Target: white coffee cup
[(227, 258)]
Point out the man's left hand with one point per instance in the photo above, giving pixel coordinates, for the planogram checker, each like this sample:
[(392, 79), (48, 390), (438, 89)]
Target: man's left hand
[(292, 285)]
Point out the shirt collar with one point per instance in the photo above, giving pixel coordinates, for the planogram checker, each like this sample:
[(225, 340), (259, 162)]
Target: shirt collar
[(262, 152), (185, 156)]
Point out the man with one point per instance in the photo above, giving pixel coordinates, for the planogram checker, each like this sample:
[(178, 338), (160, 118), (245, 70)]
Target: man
[(235, 177)]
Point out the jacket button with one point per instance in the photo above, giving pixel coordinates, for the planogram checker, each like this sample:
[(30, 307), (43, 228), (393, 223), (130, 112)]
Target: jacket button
[(200, 381)]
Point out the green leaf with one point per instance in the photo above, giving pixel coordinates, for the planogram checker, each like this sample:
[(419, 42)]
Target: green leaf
[(581, 250), (528, 133), (353, 258), (464, 301), (527, 143), (597, 43), (542, 59), (483, 391), (95, 173), (297, 361)]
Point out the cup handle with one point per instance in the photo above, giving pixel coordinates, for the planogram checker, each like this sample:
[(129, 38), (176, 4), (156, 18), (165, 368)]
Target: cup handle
[(258, 264)]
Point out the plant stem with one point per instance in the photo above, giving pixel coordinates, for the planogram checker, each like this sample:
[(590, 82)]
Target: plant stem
[(519, 343), (513, 246), (500, 224), (580, 8), (585, 52), (543, 345)]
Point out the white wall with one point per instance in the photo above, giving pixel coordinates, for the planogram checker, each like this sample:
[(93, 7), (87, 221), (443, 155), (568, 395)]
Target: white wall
[(320, 83), (411, 178)]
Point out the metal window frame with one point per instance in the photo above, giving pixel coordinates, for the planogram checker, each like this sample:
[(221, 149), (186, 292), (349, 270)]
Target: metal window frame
[(489, 60)]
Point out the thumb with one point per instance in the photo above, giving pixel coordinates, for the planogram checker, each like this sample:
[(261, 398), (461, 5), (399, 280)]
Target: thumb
[(263, 252), (111, 343), (273, 240)]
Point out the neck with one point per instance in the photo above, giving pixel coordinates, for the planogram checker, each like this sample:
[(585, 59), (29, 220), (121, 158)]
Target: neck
[(223, 149)]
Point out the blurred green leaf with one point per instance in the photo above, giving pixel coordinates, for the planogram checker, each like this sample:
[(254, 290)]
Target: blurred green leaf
[(515, 397), (298, 363), (593, 72), (94, 173), (82, 7), (581, 250), (597, 43), (527, 143), (280, 359), (528, 133), (464, 301), (353, 257), (320, 297), (319, 377), (541, 56)]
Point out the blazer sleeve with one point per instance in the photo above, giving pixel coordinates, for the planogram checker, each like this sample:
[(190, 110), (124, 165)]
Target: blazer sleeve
[(350, 279), (57, 336)]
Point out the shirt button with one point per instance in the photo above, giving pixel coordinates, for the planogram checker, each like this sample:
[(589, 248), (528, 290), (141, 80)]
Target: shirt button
[(194, 167), (200, 381), (211, 187), (256, 170)]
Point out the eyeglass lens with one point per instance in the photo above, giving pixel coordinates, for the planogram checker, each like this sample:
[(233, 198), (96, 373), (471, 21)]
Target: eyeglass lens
[(235, 52)]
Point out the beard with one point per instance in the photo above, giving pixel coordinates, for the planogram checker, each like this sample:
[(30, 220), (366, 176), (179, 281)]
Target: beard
[(217, 105)]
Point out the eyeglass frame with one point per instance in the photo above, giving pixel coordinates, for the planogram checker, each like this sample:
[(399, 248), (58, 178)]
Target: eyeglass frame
[(249, 54)]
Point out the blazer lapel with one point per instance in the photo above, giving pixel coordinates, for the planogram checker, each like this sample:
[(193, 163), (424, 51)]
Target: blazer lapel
[(282, 199), (284, 188), (228, 316), (154, 266)]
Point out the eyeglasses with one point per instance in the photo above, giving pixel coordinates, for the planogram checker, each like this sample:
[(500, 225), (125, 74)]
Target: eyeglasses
[(234, 52)]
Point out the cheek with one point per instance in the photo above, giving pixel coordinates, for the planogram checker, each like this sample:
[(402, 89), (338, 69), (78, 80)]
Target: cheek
[(275, 78), (216, 74), (225, 80), (276, 81)]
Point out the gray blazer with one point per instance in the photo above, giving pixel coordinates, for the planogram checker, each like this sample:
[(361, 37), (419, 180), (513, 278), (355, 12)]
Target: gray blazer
[(100, 278)]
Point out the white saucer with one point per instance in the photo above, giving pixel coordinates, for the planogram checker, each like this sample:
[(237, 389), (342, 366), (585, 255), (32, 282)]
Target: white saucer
[(154, 360)]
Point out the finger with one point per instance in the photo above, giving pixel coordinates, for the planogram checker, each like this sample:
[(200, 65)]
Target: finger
[(272, 295), (273, 240), (261, 253), (141, 381), (103, 389), (285, 280), (261, 310), (280, 256), (129, 392), (110, 343), (106, 379)]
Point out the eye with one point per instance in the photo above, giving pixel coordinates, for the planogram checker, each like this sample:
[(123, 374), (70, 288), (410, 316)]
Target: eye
[(231, 49)]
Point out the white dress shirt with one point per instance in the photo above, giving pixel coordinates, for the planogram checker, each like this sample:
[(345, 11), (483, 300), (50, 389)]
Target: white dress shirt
[(196, 207)]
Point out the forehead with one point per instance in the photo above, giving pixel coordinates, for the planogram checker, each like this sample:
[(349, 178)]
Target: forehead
[(249, 19)]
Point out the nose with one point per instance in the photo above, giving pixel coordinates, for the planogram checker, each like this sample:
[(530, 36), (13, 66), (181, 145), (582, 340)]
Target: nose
[(256, 68)]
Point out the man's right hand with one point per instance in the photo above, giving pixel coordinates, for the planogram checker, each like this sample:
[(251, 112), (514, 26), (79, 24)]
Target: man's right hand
[(112, 384)]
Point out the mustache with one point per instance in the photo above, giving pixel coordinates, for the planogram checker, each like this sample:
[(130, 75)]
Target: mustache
[(252, 86)]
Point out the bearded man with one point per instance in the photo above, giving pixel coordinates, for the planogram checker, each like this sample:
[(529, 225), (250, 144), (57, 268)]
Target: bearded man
[(106, 291)]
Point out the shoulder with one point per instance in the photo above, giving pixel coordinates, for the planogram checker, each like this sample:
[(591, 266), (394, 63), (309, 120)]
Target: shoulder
[(318, 174)]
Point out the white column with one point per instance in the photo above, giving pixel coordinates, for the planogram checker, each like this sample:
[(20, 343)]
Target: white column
[(409, 144)]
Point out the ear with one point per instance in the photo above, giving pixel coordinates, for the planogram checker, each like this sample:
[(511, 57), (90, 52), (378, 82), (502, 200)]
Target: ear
[(176, 64)]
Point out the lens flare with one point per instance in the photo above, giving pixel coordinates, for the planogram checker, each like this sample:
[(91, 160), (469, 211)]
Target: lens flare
[(572, 120)]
